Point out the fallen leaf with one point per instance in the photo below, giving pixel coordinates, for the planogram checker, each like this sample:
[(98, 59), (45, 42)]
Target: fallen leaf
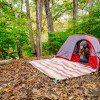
[(8, 90), (14, 98)]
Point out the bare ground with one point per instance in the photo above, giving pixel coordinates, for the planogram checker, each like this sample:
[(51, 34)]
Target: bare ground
[(21, 81)]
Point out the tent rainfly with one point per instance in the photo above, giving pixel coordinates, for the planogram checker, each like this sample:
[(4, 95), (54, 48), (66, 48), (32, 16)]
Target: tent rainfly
[(70, 49)]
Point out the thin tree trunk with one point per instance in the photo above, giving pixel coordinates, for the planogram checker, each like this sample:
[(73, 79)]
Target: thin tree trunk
[(20, 53), (75, 9), (1, 54), (86, 8), (19, 47), (30, 26), (49, 16), (39, 6), (49, 21)]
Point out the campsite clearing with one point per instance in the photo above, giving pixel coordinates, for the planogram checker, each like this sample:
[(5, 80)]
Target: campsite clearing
[(21, 81)]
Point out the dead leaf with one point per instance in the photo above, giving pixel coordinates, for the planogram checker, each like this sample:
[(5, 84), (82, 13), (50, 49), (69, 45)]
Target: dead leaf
[(8, 90), (14, 98)]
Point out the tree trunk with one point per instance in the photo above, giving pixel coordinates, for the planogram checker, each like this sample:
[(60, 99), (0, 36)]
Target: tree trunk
[(49, 21), (20, 53), (19, 47), (30, 26), (49, 16), (39, 6), (75, 9), (1, 54)]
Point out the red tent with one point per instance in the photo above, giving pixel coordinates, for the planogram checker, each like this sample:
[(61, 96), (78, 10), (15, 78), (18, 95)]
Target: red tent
[(71, 46)]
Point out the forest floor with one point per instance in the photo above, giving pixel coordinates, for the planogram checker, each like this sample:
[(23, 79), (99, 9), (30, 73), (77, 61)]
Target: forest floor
[(21, 81)]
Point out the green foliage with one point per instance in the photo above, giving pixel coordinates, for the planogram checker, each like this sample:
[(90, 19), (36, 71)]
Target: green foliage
[(60, 9), (13, 31), (45, 48), (27, 51), (89, 24), (57, 39)]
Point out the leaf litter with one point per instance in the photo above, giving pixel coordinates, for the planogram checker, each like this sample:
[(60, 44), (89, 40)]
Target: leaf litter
[(21, 81)]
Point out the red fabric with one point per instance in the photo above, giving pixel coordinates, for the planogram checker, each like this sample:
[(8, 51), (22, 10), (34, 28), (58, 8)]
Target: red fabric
[(75, 57), (99, 42), (99, 60), (93, 62), (99, 64), (92, 59), (90, 35)]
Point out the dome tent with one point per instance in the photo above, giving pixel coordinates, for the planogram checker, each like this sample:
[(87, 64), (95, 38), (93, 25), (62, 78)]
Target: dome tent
[(67, 62), (71, 46)]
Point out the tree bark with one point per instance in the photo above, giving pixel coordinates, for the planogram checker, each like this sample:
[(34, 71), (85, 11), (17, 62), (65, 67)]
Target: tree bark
[(3, 62), (30, 26), (39, 6), (19, 47), (75, 8), (20, 53), (49, 21), (49, 16), (1, 53)]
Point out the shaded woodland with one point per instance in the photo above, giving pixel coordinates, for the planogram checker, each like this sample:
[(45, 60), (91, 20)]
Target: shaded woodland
[(36, 29)]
